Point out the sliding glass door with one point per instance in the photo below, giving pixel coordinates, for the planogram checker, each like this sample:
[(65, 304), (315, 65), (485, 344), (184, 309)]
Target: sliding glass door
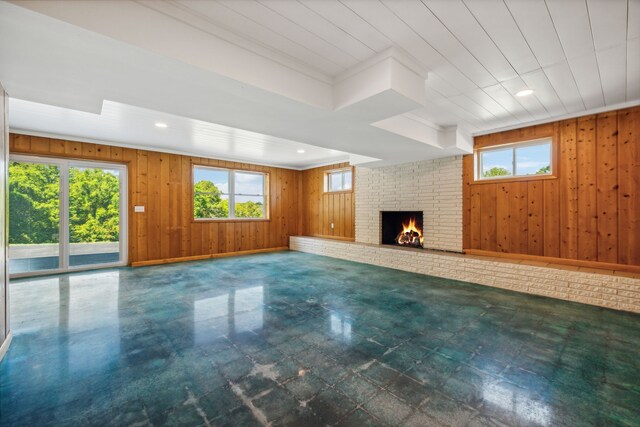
[(65, 215)]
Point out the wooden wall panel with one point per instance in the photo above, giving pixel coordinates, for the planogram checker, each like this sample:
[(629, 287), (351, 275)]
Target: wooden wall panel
[(607, 187), (163, 184), (589, 212), (587, 207), (629, 186), (320, 209), (568, 190)]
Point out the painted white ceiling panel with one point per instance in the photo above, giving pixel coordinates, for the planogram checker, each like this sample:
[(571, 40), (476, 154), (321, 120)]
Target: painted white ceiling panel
[(633, 20), (323, 28), (480, 97), (504, 98), (437, 83), (608, 22), (587, 76), (497, 21), (544, 91), (463, 101), (612, 63), (465, 27), (530, 103), (417, 16), (633, 69), (565, 86), (350, 22), (571, 20), (260, 34), (533, 19), (291, 30), (397, 31)]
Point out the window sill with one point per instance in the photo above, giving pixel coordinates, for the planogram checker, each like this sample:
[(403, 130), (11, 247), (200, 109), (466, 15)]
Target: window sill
[(338, 192), (514, 179), (195, 220)]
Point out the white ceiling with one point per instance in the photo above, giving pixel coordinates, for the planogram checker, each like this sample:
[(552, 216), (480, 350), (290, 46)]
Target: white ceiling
[(120, 122), (273, 66), (577, 55)]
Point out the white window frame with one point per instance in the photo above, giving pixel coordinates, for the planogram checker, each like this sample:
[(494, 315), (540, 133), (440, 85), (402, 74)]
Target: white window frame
[(232, 193), (513, 147), (342, 172), (63, 234)]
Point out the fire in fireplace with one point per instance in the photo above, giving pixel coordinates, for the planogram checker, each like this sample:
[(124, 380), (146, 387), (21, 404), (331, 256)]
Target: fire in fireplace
[(402, 228)]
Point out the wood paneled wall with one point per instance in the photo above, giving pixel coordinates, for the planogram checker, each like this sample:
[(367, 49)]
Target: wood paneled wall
[(589, 212), (163, 184), (320, 209)]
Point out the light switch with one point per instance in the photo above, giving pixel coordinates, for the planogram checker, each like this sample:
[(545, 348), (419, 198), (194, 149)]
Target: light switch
[(138, 208), (332, 226)]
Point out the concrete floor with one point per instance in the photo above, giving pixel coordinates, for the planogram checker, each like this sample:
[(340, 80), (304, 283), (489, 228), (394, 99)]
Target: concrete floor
[(296, 339)]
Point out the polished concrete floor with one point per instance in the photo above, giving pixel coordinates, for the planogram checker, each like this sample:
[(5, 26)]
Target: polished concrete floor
[(296, 339)]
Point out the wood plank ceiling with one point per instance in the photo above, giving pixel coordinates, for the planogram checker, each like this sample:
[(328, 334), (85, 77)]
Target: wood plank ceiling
[(577, 55)]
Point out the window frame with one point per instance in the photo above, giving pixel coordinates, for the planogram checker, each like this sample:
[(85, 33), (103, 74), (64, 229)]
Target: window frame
[(327, 174), (232, 194), (513, 146)]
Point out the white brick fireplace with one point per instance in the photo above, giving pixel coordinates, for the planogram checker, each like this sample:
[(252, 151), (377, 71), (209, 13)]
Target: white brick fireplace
[(431, 186)]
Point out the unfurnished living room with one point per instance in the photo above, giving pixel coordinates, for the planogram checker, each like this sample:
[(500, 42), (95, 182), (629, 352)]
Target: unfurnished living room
[(319, 213)]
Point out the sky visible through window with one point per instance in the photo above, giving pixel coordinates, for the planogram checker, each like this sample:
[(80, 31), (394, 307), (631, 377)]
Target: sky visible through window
[(530, 160), (245, 183), (218, 177)]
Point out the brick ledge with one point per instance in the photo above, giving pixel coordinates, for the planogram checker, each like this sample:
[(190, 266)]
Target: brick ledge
[(571, 284)]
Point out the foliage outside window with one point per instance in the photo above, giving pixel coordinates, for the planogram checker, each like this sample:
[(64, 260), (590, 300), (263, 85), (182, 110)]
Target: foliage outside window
[(228, 194), (34, 199), (340, 180), (515, 160)]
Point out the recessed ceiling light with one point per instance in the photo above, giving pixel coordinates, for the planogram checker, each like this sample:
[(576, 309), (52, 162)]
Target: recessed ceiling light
[(301, 151), (161, 125), (525, 92)]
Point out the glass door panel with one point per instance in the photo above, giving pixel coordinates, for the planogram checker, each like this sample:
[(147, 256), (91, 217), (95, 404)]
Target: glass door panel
[(94, 215), (34, 217)]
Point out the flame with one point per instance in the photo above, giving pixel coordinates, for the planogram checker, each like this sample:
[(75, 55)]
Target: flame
[(411, 226)]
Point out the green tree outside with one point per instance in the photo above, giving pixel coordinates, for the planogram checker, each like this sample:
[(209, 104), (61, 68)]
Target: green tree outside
[(208, 203), (544, 170), (34, 204), (496, 171)]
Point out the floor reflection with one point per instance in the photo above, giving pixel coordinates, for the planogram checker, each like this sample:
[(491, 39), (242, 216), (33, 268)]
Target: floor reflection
[(340, 327), (519, 402), (234, 312), (296, 339)]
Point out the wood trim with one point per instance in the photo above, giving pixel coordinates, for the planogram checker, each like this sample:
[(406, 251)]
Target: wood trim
[(324, 236), (553, 260), (203, 257), (554, 160), (513, 179)]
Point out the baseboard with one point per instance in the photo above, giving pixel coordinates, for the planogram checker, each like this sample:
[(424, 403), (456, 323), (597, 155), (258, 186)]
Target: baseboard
[(207, 256), (5, 345), (325, 236), (557, 261)]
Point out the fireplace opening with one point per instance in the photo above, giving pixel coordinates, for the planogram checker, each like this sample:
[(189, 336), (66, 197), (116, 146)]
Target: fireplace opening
[(402, 228)]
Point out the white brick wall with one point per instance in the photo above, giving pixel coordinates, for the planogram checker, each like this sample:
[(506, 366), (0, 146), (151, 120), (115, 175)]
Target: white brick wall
[(431, 186), (622, 293)]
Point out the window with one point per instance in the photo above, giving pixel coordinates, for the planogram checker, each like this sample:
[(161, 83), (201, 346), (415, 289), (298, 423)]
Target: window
[(339, 180), (228, 194), (515, 160)]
